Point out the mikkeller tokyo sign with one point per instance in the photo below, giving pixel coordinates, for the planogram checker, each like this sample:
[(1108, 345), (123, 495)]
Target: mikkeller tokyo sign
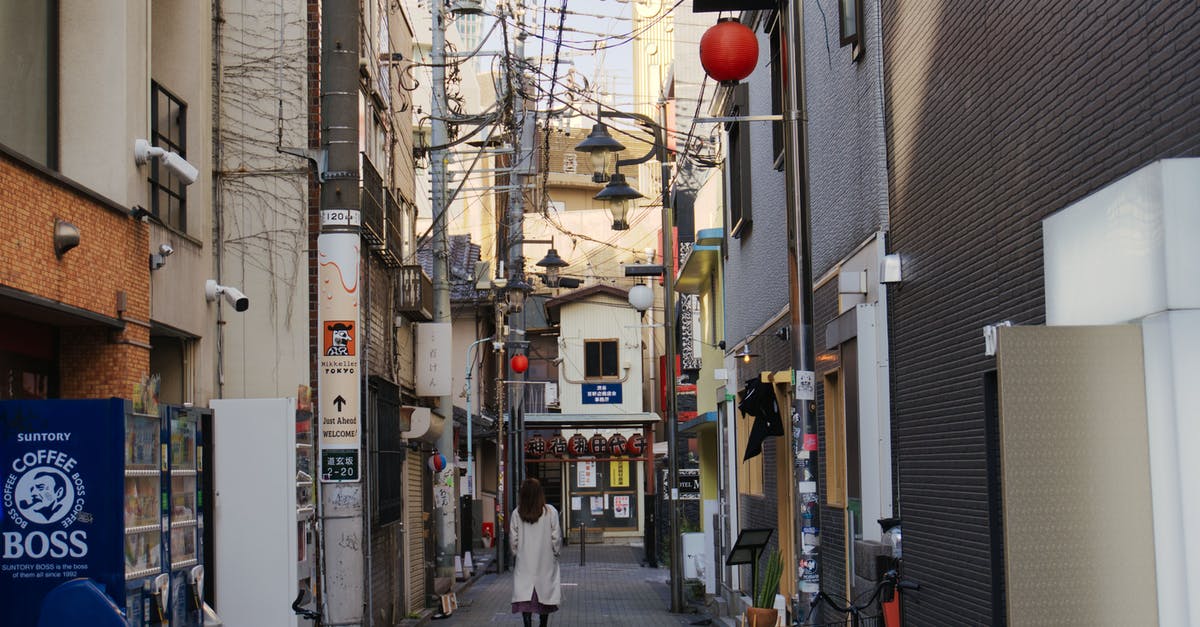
[(60, 500)]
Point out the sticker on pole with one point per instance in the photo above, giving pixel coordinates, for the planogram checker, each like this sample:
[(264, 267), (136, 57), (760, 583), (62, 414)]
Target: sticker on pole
[(805, 384)]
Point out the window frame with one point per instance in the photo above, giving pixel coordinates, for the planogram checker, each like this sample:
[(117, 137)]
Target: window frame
[(174, 139), (616, 366), (738, 174)]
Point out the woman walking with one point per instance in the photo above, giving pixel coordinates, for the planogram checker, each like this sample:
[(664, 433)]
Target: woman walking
[(536, 539)]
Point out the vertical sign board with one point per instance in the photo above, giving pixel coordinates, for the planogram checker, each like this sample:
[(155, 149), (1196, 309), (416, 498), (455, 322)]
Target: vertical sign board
[(433, 367), (62, 482), (337, 367)]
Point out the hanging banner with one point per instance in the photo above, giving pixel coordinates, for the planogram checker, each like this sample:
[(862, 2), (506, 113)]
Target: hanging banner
[(338, 377)]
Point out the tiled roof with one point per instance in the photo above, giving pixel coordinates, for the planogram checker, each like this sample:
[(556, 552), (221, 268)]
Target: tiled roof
[(463, 255)]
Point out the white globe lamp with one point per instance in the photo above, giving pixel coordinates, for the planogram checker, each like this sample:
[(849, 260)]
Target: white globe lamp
[(641, 297)]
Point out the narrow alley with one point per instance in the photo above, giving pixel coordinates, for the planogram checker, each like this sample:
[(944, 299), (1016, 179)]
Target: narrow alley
[(611, 587)]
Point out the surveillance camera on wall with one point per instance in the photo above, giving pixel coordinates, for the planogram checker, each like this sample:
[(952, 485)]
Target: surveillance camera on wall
[(143, 152), (232, 295)]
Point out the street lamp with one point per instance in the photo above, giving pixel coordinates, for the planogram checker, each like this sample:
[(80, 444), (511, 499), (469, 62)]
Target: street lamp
[(618, 193), (552, 263)]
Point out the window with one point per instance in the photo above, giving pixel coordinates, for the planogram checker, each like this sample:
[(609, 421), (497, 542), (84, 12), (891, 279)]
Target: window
[(600, 359), (168, 130), (29, 99), (777, 87), (738, 172), (850, 14)]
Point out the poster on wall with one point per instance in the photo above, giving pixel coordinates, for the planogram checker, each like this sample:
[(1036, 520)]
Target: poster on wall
[(586, 474), (338, 381), (597, 505), (618, 474), (621, 506)]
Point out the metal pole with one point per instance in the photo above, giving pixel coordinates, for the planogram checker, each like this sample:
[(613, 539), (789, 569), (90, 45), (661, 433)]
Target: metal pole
[(800, 279), (444, 488), (671, 378)]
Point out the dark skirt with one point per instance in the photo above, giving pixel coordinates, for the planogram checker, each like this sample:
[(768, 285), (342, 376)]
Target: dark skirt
[(532, 606)]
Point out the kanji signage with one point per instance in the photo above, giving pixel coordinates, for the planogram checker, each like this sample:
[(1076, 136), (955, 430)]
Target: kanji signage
[(601, 393)]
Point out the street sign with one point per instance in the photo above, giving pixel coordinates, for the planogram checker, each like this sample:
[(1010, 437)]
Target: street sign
[(338, 378)]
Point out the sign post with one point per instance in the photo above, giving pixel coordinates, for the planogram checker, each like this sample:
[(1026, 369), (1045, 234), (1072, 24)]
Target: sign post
[(338, 377)]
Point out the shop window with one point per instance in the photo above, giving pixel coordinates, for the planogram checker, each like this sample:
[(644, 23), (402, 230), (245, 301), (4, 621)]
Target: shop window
[(168, 130), (600, 359), (29, 100)]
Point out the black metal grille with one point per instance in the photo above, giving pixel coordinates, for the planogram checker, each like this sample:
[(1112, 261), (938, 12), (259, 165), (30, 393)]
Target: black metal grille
[(389, 453)]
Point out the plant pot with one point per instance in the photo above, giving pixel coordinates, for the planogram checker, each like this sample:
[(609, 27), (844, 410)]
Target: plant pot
[(761, 617)]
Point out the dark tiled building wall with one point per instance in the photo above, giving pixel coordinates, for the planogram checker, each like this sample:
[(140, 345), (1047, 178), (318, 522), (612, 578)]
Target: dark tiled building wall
[(999, 115)]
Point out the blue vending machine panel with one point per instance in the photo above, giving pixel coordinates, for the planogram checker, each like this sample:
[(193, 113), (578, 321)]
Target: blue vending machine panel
[(185, 466), (63, 486)]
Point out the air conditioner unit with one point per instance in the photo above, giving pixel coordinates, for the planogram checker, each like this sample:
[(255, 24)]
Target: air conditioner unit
[(551, 394)]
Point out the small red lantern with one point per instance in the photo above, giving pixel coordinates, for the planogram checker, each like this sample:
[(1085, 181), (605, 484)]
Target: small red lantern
[(598, 445), (519, 363), (728, 51), (557, 446), (616, 444), (535, 447), (577, 445), (636, 444)]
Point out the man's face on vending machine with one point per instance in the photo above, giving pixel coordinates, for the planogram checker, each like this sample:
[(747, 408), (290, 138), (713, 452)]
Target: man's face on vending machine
[(42, 492)]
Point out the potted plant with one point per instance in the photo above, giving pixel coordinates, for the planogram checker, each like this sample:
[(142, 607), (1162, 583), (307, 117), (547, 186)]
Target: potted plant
[(763, 613)]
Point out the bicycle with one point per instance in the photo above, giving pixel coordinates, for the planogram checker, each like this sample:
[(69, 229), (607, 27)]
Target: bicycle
[(881, 597)]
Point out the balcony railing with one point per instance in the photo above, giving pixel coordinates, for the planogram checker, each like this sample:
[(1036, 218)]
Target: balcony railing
[(393, 234), (414, 293), (371, 202)]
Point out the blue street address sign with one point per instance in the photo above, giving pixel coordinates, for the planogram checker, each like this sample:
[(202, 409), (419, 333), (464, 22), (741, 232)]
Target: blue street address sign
[(601, 393)]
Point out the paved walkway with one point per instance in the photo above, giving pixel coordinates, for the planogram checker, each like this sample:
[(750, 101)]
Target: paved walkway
[(612, 589)]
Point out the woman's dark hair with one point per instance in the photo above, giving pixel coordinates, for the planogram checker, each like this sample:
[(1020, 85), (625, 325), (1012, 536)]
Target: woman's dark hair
[(531, 501)]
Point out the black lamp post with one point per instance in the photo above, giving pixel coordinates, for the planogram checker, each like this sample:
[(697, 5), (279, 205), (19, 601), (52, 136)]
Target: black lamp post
[(599, 144)]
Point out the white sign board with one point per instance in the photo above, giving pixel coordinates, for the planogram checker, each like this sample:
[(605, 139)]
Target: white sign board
[(434, 361)]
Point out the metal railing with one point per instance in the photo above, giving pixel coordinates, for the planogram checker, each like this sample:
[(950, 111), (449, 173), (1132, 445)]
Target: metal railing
[(371, 201), (414, 293)]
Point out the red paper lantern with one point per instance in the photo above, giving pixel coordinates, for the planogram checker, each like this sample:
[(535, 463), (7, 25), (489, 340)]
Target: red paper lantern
[(577, 445), (598, 445), (535, 447), (728, 51), (636, 444), (557, 446), (519, 363), (616, 444)]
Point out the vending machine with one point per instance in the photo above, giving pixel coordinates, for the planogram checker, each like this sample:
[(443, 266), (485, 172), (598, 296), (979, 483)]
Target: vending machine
[(96, 492)]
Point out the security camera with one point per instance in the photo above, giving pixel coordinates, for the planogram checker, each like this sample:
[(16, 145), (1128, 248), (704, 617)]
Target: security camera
[(143, 152), (233, 295), (159, 259)]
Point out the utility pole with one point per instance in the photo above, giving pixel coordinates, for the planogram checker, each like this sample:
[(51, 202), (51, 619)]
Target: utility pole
[(517, 288), (444, 484), (339, 364), (800, 280)]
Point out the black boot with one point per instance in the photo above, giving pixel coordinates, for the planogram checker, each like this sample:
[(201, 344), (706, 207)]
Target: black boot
[(528, 618), (543, 620)]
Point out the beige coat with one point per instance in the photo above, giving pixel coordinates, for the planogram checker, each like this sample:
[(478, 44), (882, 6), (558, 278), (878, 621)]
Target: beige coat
[(536, 548)]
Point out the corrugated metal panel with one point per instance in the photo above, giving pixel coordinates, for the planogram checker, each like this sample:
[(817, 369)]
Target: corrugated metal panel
[(986, 137), (414, 538)]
